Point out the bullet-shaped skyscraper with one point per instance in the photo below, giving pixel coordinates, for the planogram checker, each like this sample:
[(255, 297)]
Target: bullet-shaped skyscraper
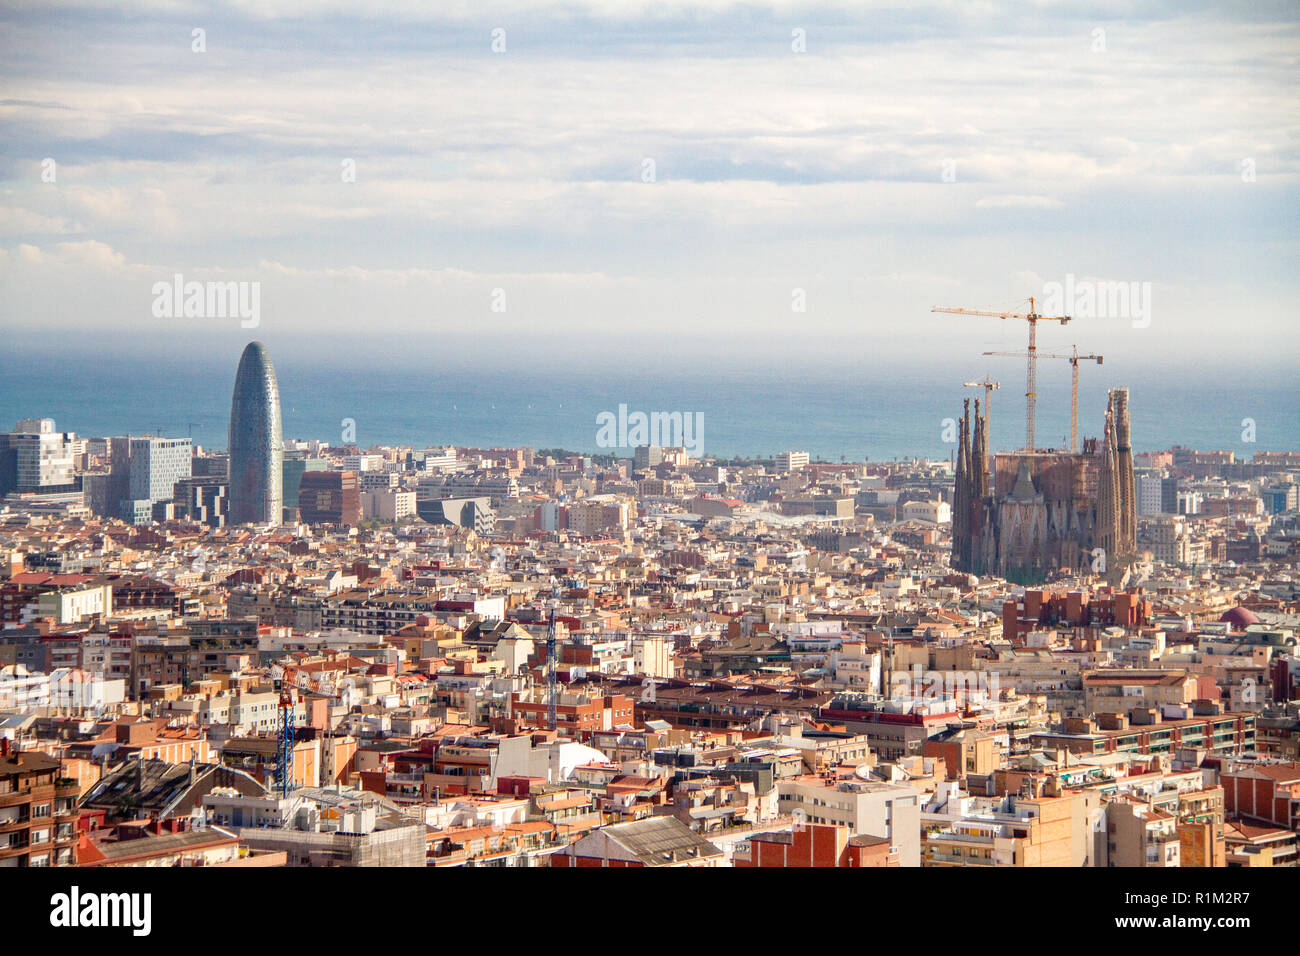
[(256, 443)]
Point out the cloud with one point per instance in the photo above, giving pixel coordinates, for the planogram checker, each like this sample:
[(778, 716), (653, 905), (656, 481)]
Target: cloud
[(1018, 202), (773, 169)]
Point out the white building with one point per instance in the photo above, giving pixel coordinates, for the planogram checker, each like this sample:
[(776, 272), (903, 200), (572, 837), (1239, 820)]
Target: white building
[(652, 656), (363, 463), (788, 461), (69, 689), (1150, 489), (70, 605), (934, 512), (865, 807), (377, 480), (44, 457), (440, 459), (388, 505)]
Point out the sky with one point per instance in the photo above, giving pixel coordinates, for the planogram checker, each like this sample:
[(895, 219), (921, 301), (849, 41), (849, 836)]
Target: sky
[(787, 184)]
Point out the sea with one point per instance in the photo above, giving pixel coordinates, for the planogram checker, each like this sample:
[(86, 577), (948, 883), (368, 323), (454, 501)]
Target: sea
[(834, 411)]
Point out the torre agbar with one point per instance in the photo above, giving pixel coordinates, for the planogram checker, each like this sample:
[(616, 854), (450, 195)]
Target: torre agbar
[(1043, 511), (256, 443)]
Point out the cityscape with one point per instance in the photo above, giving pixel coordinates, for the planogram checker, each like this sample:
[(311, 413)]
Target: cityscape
[(298, 653), (1028, 597)]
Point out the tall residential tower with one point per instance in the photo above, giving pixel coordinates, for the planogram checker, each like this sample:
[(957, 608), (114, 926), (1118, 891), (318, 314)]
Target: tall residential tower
[(256, 443)]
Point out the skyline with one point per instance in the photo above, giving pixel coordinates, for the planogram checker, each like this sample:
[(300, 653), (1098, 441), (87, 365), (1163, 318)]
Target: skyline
[(838, 412), (648, 434)]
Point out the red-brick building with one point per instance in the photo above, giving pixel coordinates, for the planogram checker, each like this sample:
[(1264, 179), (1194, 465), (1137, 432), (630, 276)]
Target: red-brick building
[(38, 813), (1264, 792), (814, 844)]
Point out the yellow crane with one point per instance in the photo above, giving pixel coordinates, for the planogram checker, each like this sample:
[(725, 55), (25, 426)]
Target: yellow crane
[(1074, 358), (988, 385), (1031, 356)]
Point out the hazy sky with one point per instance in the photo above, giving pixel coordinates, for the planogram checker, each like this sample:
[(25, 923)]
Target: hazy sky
[(911, 155)]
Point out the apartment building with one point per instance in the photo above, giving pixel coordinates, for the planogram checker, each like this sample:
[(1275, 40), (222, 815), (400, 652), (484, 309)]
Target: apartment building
[(788, 461), (321, 826), (866, 808), (37, 810), (1119, 690), (652, 842), (1138, 835), (1221, 734), (388, 504), (1268, 793), (813, 844), (577, 714), (1014, 831)]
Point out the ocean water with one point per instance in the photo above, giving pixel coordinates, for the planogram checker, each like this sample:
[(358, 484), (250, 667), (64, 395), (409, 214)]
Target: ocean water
[(888, 411)]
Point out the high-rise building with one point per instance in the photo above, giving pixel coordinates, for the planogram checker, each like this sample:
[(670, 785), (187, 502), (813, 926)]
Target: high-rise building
[(36, 458), (1150, 494), (144, 472), (201, 498), (293, 468), (256, 443), (329, 497), (646, 456)]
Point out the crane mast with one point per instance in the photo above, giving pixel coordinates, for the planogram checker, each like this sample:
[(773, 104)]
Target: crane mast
[(1074, 358), (552, 686), (284, 739), (1031, 356), (988, 385)]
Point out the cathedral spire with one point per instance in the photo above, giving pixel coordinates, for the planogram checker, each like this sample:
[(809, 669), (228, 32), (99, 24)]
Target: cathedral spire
[(980, 456), (960, 496)]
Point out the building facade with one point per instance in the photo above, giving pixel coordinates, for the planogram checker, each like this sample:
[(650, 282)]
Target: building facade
[(256, 441)]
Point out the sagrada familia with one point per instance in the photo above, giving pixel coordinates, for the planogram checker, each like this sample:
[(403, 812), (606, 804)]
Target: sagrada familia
[(1041, 512)]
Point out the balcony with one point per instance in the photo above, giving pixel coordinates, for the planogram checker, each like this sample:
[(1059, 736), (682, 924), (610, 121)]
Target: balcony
[(13, 823)]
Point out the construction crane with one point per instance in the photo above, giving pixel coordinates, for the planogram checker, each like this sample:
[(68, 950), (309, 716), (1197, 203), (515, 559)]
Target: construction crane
[(988, 385), (552, 685), (190, 425), (1031, 363), (1074, 358), (284, 741)]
